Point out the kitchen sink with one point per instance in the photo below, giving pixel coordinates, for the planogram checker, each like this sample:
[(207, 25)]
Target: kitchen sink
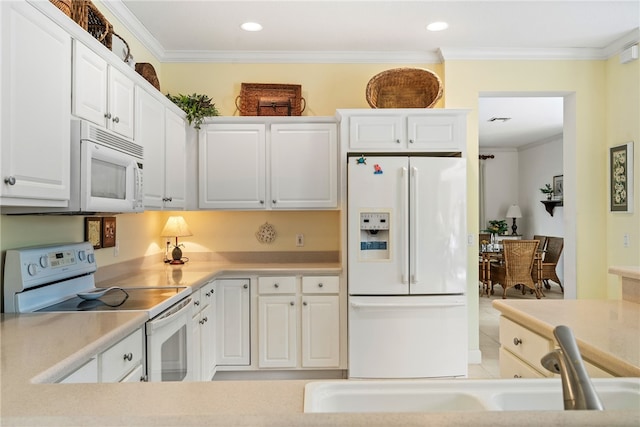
[(460, 395)]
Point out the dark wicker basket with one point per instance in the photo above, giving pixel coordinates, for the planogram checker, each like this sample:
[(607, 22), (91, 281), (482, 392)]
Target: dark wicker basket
[(404, 88), (87, 15), (270, 99), (147, 71)]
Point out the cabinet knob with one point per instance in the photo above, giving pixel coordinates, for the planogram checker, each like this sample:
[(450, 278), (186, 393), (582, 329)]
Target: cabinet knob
[(167, 199), (128, 357), (11, 180), (517, 376), (262, 202), (107, 115), (116, 119), (304, 303), (411, 141), (274, 202), (245, 286), (517, 341), (208, 294), (291, 303), (275, 285), (196, 303), (320, 285), (397, 141)]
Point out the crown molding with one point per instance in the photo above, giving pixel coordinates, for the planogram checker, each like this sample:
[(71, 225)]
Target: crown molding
[(124, 15)]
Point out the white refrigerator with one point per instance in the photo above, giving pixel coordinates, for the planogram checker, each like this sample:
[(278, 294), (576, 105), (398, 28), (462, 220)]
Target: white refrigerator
[(407, 262)]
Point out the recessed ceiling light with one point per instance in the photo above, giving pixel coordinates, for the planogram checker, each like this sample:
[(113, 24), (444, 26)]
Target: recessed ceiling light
[(437, 26), (251, 26)]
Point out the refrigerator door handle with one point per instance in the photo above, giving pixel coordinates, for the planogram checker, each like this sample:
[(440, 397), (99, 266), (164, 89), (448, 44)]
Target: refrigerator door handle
[(413, 264), (404, 247), (388, 305)]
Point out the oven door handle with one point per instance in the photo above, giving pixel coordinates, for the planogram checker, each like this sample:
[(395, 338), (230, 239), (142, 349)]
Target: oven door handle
[(171, 314)]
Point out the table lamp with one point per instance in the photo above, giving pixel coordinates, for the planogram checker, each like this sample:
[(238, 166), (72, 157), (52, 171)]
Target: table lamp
[(176, 227), (514, 212)]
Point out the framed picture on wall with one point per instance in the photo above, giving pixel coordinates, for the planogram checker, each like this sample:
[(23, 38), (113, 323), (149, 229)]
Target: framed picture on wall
[(621, 178), (93, 231), (558, 188)]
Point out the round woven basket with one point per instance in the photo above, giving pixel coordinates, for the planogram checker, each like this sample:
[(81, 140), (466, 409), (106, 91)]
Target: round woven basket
[(404, 88)]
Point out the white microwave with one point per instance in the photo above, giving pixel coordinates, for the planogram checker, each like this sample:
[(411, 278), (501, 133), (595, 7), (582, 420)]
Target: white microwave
[(106, 174)]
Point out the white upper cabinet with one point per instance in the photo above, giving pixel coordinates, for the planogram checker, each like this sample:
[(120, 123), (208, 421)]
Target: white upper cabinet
[(268, 166), (101, 93), (304, 165), (163, 135), (429, 130), (35, 93)]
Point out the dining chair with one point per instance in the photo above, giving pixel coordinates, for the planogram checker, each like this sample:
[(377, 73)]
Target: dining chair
[(542, 240), (517, 266), (550, 262)]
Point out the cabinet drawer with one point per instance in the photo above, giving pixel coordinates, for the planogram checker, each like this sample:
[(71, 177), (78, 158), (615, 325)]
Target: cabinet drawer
[(134, 376), (320, 284), (115, 360), (524, 343), (277, 285), (513, 367), (87, 373), (206, 295)]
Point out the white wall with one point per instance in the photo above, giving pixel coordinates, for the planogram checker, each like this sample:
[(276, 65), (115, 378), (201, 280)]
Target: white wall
[(501, 183)]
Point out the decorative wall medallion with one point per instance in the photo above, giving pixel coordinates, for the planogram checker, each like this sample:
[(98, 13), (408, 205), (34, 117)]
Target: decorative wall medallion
[(266, 233)]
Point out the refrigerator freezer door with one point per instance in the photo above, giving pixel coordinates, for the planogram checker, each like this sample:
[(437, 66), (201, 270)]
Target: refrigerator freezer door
[(407, 337), (438, 224), (378, 256)]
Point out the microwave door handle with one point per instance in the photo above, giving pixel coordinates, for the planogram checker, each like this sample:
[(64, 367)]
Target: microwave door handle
[(138, 184)]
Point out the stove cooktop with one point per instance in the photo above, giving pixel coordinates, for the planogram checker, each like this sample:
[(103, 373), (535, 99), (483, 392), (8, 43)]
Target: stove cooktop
[(140, 299)]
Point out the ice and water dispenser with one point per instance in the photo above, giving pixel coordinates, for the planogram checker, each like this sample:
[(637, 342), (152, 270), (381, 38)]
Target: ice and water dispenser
[(374, 235)]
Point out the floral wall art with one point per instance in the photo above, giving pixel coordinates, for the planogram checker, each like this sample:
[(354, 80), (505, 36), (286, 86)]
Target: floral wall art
[(621, 177)]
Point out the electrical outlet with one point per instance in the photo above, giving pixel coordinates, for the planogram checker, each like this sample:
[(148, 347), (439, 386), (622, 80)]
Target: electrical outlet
[(116, 248), (299, 239), (625, 240)]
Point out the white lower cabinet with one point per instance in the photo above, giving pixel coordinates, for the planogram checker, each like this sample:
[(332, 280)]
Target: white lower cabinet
[(521, 350), (298, 327), (233, 322), (122, 362), (204, 332)]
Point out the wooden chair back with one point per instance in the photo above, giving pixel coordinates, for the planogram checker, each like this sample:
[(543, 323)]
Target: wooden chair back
[(542, 240), (554, 250)]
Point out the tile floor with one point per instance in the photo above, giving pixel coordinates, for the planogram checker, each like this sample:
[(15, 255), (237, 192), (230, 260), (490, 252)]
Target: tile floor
[(489, 330)]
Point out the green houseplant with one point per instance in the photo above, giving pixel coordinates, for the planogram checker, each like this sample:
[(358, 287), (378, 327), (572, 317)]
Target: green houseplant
[(196, 106), (547, 190), (497, 226)]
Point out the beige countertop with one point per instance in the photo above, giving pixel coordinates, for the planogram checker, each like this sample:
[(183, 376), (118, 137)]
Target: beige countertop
[(47, 345), (607, 331)]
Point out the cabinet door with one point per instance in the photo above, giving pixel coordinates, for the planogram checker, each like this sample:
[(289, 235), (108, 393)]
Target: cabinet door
[(150, 133), (377, 133), (208, 359), (175, 166), (277, 343), (232, 166), (320, 331), (232, 319), (436, 133), (35, 97), (121, 90), (304, 166), (89, 85)]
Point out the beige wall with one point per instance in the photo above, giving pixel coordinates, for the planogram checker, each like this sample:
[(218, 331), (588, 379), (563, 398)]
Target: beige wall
[(623, 125)]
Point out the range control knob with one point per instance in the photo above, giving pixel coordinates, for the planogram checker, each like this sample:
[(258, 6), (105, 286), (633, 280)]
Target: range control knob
[(82, 255), (32, 269), (44, 261), (91, 258)]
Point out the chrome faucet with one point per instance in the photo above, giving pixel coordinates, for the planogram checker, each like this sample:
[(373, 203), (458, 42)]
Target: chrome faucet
[(577, 389)]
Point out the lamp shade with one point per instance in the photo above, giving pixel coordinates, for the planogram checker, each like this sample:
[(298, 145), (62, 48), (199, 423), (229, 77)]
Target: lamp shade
[(176, 226), (514, 212)]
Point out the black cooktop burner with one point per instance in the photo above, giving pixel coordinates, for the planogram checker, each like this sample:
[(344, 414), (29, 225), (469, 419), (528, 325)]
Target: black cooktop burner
[(133, 299)]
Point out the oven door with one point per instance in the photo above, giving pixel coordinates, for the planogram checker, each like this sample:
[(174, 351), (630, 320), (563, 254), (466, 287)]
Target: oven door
[(170, 344)]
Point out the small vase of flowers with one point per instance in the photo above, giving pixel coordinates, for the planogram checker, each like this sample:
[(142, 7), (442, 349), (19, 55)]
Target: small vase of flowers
[(497, 226)]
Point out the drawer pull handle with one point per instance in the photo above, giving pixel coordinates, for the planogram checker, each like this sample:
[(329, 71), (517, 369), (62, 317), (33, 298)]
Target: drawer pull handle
[(517, 341), (128, 357), (196, 303), (517, 376)]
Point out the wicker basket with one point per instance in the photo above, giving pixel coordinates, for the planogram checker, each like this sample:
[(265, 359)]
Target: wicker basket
[(147, 71), (404, 88), (269, 99), (63, 5), (87, 15)]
